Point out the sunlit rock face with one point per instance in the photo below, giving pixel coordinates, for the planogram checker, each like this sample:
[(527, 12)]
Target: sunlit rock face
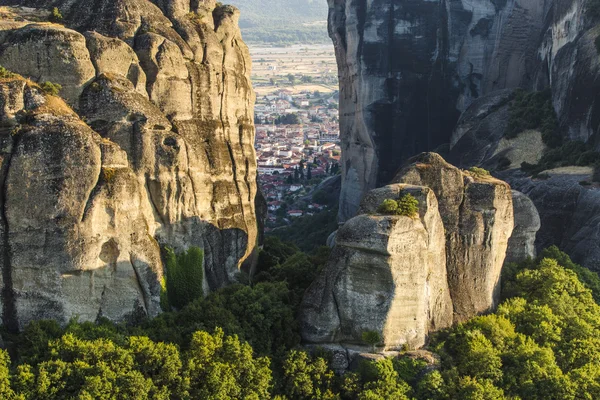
[(406, 277), (409, 69), (152, 146)]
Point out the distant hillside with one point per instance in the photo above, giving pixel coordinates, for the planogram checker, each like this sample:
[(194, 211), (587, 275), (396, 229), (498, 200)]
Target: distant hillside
[(283, 21)]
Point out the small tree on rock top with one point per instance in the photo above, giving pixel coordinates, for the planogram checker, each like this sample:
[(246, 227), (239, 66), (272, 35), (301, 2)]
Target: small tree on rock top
[(408, 206)]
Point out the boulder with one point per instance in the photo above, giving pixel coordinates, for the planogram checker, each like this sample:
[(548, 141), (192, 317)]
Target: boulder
[(521, 244)]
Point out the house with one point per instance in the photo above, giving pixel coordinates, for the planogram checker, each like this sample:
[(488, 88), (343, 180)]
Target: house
[(295, 213)]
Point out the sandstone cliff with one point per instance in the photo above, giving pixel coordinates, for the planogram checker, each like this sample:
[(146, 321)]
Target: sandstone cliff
[(406, 277), (154, 146), (409, 69)]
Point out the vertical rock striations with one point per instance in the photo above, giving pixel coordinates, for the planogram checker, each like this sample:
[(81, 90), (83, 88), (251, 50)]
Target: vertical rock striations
[(477, 212), (386, 274), (407, 277), (154, 146), (409, 69)]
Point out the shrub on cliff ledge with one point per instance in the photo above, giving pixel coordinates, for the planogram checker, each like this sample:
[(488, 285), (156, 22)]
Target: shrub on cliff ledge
[(50, 88), (479, 172), (55, 16), (5, 74), (388, 207), (408, 206)]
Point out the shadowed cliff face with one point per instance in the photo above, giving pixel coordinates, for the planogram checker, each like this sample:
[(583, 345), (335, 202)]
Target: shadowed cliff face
[(152, 146), (409, 69)]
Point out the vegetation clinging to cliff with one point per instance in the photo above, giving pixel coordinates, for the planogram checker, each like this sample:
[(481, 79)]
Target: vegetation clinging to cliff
[(184, 277), (533, 110), (406, 206)]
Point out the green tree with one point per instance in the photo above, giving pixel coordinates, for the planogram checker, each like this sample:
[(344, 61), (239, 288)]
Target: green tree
[(408, 206), (382, 381), (306, 378), (291, 78), (6, 391), (185, 275), (222, 367), (371, 338), (55, 15)]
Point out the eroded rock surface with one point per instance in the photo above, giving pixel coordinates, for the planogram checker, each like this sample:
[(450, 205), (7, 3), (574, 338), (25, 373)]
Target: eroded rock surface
[(386, 274), (406, 277), (408, 70), (154, 146), (477, 212)]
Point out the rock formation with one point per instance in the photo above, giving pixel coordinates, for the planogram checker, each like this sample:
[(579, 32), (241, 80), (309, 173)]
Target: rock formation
[(409, 69), (477, 212), (152, 146), (567, 200), (406, 277), (386, 274)]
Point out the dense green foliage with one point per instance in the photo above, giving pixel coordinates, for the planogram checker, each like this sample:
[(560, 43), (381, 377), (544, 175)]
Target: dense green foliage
[(184, 276), (242, 342), (309, 232), (570, 153), (533, 110), (286, 22), (407, 206), (51, 88)]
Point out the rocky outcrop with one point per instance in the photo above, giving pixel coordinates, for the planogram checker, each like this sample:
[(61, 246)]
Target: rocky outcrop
[(566, 198), (521, 244), (153, 147), (569, 208), (409, 70), (406, 277), (477, 213), (386, 274)]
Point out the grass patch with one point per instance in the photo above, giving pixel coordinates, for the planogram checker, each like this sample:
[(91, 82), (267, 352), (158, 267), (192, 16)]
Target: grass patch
[(570, 153), (533, 110)]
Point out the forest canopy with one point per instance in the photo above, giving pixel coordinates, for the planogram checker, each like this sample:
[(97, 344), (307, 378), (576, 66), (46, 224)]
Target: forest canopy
[(243, 342)]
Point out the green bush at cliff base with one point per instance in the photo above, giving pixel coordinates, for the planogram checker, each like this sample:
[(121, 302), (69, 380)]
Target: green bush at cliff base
[(371, 338), (184, 276)]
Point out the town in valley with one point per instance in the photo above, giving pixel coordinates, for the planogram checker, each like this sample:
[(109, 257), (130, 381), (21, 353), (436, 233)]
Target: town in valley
[(297, 128)]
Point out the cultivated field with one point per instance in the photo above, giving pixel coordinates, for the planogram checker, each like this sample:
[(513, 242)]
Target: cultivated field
[(313, 67)]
